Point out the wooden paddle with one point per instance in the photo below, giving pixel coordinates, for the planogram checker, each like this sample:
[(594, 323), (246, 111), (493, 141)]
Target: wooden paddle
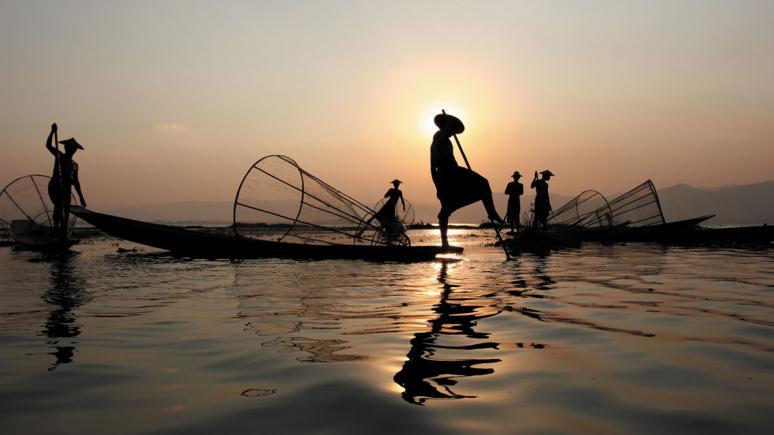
[(494, 224), (62, 224)]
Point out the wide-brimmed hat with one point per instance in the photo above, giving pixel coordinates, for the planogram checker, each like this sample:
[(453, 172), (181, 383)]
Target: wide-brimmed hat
[(448, 122), (516, 174), (547, 172), (71, 143), (396, 181)]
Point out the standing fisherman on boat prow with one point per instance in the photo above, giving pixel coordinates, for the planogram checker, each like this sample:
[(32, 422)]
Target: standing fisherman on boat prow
[(542, 201), (455, 186), (514, 190), (387, 214), (64, 178)]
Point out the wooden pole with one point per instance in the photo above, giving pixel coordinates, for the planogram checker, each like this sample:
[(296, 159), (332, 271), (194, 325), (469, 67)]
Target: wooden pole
[(62, 224), (464, 157)]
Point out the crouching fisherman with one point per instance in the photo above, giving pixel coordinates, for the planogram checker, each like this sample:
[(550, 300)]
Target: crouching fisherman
[(63, 179), (456, 187)]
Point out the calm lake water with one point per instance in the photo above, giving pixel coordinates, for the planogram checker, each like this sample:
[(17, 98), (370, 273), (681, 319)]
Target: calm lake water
[(602, 339)]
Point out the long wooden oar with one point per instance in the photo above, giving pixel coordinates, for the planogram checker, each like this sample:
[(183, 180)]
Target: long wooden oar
[(494, 224), (62, 224)]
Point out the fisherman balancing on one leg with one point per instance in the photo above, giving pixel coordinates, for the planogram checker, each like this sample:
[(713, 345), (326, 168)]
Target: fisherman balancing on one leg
[(542, 202), (455, 186), (514, 190), (64, 178)]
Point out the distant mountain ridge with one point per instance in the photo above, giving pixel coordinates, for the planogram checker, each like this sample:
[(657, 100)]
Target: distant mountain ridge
[(740, 205)]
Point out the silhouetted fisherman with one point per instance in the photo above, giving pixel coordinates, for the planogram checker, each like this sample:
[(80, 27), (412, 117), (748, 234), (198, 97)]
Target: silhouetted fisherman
[(64, 178), (386, 214), (542, 202), (455, 186), (514, 190)]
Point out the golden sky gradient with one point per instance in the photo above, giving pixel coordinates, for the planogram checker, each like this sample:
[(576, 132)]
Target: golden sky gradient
[(174, 100)]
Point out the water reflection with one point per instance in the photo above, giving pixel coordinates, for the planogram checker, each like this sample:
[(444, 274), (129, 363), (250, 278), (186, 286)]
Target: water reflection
[(300, 318), (65, 294), (424, 376)]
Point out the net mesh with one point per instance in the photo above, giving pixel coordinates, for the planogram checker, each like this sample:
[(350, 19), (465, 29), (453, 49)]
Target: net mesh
[(590, 209), (280, 201), (638, 207), (24, 203)]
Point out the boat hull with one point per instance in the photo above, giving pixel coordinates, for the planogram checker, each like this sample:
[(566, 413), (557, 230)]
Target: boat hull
[(200, 244)]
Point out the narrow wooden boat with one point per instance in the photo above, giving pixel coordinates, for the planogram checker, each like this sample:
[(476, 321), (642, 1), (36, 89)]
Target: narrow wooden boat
[(696, 235), (203, 244), (536, 241)]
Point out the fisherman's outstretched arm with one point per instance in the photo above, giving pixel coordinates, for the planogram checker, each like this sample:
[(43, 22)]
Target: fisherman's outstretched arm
[(50, 140), (403, 203)]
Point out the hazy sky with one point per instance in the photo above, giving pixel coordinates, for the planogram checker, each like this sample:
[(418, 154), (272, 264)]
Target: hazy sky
[(175, 100)]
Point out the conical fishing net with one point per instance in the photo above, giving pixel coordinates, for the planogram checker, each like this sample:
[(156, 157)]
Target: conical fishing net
[(590, 209), (638, 207), (26, 206), (280, 201)]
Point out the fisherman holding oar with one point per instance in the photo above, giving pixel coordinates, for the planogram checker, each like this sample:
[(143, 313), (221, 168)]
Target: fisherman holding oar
[(455, 186), (64, 178), (542, 201)]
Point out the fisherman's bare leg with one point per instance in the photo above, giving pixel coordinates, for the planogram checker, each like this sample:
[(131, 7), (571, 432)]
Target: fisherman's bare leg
[(491, 211), (57, 218), (443, 223), (65, 222)]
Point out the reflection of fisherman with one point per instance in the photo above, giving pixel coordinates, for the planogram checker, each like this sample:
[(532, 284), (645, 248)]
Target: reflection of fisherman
[(425, 373), (542, 202), (64, 178), (514, 190), (64, 296), (456, 186)]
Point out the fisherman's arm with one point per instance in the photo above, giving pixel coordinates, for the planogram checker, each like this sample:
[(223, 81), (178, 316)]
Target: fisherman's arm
[(50, 140), (77, 185), (403, 203)]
